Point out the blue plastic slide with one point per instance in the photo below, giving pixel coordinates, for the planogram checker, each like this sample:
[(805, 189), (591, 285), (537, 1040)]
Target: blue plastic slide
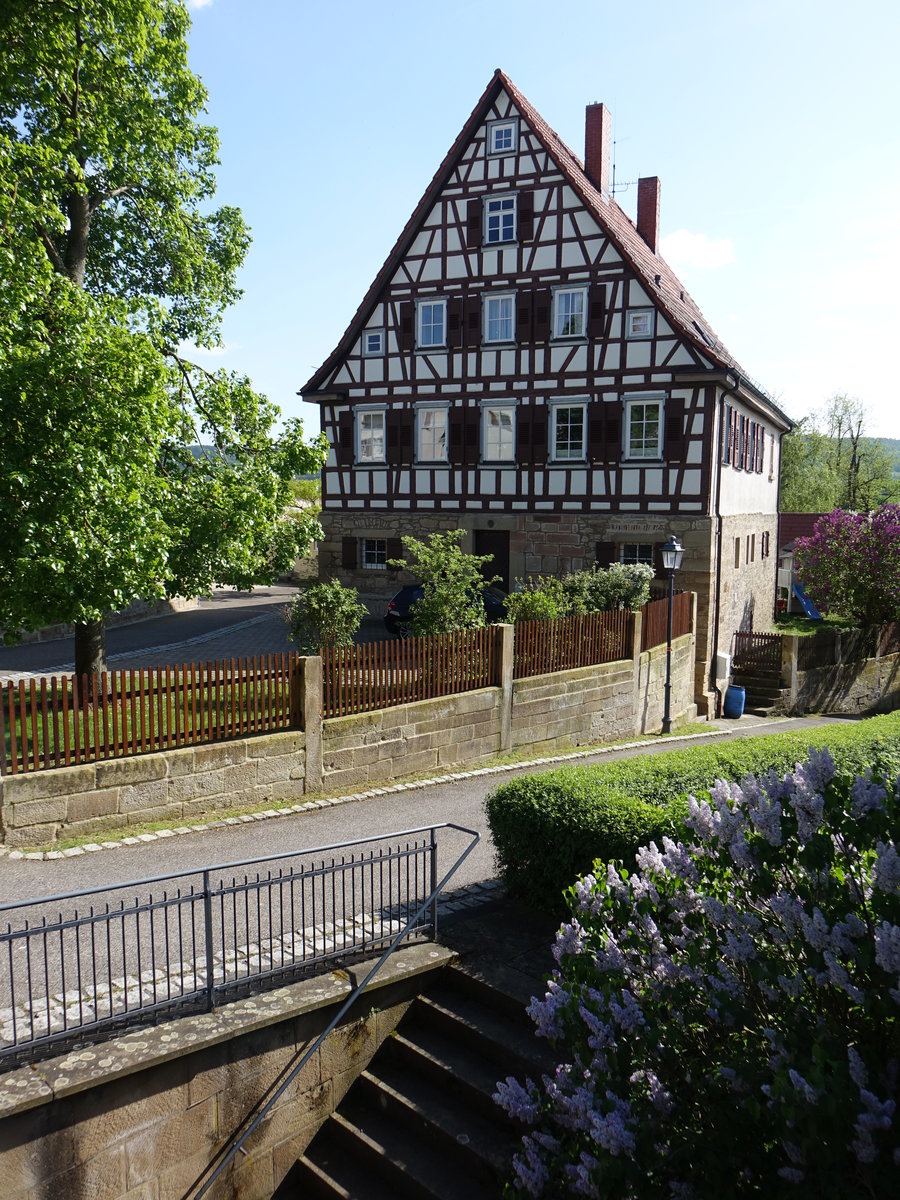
[(808, 607)]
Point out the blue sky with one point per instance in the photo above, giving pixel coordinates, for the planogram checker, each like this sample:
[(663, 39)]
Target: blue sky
[(772, 126)]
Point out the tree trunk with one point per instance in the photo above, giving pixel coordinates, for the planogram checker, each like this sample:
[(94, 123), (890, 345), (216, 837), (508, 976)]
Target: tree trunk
[(90, 648)]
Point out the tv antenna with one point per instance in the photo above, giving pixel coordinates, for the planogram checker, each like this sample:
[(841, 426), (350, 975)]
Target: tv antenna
[(622, 186)]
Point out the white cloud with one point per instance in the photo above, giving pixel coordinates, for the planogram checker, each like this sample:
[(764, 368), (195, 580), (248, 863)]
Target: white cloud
[(684, 250), (199, 3)]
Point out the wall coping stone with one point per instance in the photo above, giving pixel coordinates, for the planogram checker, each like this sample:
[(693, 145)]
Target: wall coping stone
[(88, 1067)]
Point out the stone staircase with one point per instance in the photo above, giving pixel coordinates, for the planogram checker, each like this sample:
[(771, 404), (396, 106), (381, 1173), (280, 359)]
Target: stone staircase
[(420, 1121), (765, 696)]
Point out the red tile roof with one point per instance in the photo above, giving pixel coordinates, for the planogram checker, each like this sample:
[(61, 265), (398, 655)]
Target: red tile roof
[(655, 273)]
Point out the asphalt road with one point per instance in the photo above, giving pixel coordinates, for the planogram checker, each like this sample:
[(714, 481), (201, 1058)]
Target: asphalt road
[(461, 801)]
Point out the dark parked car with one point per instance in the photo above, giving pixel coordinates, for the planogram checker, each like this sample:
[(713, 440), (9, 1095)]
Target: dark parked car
[(397, 617)]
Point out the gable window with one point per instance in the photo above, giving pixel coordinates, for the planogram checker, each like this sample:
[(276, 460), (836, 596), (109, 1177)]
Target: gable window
[(502, 136), (373, 342), (370, 435), (431, 433), (431, 318), (499, 318), (500, 220), (497, 432), (568, 430), (643, 427), (639, 323), (637, 553), (569, 305)]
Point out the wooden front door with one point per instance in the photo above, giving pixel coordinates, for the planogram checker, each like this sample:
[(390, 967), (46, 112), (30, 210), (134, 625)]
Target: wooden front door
[(496, 542)]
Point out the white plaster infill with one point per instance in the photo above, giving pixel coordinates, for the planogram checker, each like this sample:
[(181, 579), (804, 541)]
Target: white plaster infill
[(370, 794)]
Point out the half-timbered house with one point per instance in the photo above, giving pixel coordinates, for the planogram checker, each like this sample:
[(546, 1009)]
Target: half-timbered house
[(528, 368)]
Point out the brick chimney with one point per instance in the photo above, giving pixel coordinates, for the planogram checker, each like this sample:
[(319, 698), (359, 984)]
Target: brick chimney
[(597, 129), (648, 211)]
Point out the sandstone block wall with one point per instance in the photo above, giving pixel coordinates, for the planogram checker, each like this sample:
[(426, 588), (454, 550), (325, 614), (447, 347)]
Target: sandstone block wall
[(173, 785), (411, 739), (141, 1117), (574, 708), (872, 685)]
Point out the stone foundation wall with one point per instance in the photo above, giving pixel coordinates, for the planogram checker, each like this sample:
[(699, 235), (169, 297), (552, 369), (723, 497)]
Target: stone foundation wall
[(173, 786), (866, 687), (411, 739), (141, 1117), (577, 708)]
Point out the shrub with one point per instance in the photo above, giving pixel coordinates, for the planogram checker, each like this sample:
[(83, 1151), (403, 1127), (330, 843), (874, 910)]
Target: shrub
[(538, 599), (451, 579), (548, 829), (728, 1017), (324, 614), (851, 564)]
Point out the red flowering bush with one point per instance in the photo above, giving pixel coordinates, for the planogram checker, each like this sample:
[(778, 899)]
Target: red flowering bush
[(851, 564)]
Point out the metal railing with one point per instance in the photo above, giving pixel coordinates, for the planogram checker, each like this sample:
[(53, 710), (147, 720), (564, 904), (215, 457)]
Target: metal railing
[(251, 1122), (79, 966)]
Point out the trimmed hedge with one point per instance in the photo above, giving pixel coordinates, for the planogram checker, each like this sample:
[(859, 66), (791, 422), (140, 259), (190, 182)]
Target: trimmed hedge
[(549, 829)]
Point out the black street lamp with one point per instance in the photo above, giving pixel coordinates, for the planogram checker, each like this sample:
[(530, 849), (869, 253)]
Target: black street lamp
[(672, 554)]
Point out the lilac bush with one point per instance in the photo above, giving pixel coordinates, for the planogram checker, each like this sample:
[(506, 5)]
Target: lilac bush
[(851, 564), (728, 1015)]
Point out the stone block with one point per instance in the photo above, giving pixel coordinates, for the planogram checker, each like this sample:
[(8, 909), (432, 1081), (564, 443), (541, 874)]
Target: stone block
[(289, 742), (291, 789), (142, 768), (40, 785), (416, 763), (170, 1140), (140, 796), (30, 835), (240, 778), (348, 1048), (345, 777), (89, 805), (219, 755), (196, 787), (35, 812), (31, 1149), (162, 812), (275, 768)]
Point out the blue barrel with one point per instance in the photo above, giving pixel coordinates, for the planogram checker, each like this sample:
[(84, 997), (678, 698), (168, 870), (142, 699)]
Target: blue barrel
[(733, 704)]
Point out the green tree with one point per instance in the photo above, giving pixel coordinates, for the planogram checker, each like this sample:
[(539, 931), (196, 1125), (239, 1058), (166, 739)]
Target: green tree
[(453, 582), (325, 614), (828, 462), (113, 261)]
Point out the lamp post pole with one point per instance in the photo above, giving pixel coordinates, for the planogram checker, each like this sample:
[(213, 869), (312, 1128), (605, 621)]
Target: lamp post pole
[(672, 554)]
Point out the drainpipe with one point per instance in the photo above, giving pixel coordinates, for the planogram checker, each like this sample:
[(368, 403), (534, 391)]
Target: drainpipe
[(728, 391)]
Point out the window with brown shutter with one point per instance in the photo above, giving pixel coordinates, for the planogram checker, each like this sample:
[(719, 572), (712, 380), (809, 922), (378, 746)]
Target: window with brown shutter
[(612, 420), (394, 550), (474, 223), (406, 424), (525, 216), (596, 310), (348, 553), (344, 448), (539, 436), (726, 436), (523, 433), (392, 438), (470, 436), (456, 425), (472, 331), (406, 332), (543, 302), (523, 317), (596, 432), (454, 321), (674, 445)]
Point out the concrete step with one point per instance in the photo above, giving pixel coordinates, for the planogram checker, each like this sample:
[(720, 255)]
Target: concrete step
[(420, 1121)]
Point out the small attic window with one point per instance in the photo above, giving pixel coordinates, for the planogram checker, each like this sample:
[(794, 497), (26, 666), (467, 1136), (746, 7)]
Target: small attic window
[(639, 323), (373, 342), (503, 136)]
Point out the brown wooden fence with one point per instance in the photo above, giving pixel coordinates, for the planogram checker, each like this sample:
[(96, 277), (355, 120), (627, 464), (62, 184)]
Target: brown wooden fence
[(655, 616), (384, 674), (570, 642), (757, 652), (60, 721)]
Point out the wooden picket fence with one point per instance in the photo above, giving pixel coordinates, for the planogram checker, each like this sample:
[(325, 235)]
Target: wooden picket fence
[(759, 652), (655, 619), (64, 720), (565, 644), (384, 674)]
